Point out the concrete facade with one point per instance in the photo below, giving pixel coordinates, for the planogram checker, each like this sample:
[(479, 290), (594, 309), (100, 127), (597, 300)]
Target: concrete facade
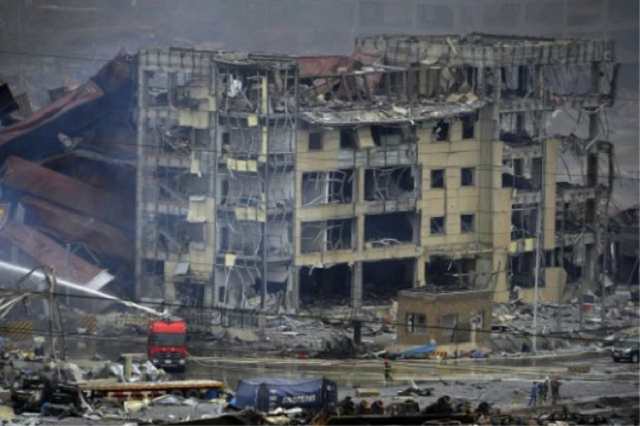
[(292, 182)]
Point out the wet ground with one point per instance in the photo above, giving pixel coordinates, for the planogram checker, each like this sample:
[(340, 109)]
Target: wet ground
[(503, 382), (348, 373)]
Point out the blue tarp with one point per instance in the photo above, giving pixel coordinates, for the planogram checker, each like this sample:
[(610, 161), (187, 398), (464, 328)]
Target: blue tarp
[(268, 394), (422, 350)]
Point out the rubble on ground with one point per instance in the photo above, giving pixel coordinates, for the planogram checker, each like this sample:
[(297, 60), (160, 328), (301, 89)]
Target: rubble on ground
[(512, 324)]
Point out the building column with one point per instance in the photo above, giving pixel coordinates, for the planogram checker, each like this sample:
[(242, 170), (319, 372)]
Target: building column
[(293, 288), (419, 275), (169, 291), (169, 285), (209, 293), (593, 251), (356, 285), (360, 181)]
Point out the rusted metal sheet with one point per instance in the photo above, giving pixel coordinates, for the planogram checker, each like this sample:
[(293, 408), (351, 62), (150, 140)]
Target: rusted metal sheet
[(99, 236), (367, 58), (333, 67), (37, 136), (326, 65), (68, 192), (48, 252)]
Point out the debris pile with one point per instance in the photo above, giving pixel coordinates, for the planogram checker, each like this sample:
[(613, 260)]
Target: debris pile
[(290, 336), (106, 391), (41, 392), (512, 323), (66, 172)]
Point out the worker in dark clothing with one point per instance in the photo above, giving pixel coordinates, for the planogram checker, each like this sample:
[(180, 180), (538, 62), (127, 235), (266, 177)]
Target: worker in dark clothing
[(38, 350), (555, 390), (377, 407), (543, 390), (363, 408), (347, 407), (533, 400), (441, 406), (387, 372), (484, 408)]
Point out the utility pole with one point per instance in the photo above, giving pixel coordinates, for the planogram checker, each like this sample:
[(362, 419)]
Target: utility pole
[(561, 265), (55, 320), (603, 269), (536, 278), (605, 253), (265, 229), (540, 131), (264, 150), (592, 256)]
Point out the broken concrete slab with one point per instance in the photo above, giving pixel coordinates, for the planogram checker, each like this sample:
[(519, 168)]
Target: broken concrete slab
[(242, 334)]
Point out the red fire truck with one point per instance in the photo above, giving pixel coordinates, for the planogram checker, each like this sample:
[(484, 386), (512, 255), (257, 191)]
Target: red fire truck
[(167, 347)]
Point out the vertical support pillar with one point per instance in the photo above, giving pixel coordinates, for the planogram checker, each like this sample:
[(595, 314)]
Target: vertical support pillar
[(294, 288), (168, 283), (360, 181), (538, 273), (264, 151), (606, 242), (357, 332), (218, 280), (420, 277), (473, 336), (140, 174), (215, 144), (356, 286), (593, 251), (209, 292), (128, 367), (169, 291), (497, 81)]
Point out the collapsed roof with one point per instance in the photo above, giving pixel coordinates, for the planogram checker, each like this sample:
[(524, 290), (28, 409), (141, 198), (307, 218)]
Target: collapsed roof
[(63, 213)]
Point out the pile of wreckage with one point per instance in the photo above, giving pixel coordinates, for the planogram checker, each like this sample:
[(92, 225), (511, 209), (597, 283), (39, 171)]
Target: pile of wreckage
[(35, 389), (41, 391), (512, 322), (67, 173)]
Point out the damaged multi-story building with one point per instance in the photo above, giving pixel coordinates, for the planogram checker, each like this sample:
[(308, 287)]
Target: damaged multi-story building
[(340, 180)]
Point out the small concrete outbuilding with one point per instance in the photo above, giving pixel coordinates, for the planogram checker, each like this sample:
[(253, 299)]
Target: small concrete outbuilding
[(444, 317)]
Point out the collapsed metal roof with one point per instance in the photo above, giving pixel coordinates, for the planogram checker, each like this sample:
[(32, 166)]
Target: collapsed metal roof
[(38, 136), (48, 252), (477, 49), (400, 113), (71, 193)]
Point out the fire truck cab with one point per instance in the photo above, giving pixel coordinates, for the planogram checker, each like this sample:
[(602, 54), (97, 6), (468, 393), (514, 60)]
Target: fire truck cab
[(167, 346)]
